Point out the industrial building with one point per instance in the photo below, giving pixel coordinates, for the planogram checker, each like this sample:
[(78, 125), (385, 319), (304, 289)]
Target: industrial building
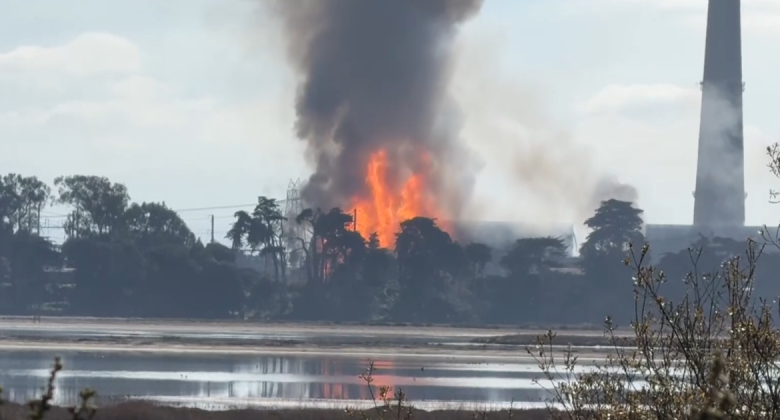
[(719, 195)]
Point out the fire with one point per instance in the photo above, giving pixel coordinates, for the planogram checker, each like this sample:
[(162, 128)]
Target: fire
[(385, 207)]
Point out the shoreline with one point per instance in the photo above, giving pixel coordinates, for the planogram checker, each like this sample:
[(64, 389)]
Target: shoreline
[(185, 324), (303, 339), (151, 411), (465, 356)]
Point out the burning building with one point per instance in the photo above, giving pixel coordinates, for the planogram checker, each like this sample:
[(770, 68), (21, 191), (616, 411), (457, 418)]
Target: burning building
[(381, 131)]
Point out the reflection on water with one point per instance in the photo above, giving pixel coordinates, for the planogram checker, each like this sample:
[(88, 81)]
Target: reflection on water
[(250, 379)]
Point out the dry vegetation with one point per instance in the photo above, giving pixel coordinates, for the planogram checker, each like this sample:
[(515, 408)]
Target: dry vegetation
[(711, 355)]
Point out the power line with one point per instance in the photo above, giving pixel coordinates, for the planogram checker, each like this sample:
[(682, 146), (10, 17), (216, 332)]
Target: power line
[(233, 206)]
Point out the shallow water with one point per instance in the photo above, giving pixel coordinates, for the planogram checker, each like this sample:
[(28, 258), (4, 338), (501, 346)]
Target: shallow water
[(220, 381), (235, 334)]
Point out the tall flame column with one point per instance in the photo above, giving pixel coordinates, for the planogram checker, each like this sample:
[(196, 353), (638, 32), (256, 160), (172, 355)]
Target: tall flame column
[(720, 174)]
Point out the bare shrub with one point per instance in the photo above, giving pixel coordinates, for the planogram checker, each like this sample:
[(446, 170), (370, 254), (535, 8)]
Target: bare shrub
[(386, 405), (713, 354), (40, 408), (392, 404)]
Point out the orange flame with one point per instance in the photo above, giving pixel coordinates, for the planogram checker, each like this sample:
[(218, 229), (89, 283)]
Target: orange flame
[(383, 210)]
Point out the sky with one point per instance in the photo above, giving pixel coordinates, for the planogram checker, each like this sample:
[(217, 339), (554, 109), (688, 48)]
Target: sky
[(192, 102)]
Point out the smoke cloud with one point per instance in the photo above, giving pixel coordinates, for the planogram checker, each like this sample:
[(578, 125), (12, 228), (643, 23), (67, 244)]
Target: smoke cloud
[(560, 180), (720, 183), (538, 174), (374, 75)]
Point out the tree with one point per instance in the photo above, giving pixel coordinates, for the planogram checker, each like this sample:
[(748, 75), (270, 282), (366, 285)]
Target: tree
[(377, 275), (25, 255), (534, 256), (615, 225), (149, 224), (706, 255), (23, 198), (478, 255), (428, 259), (263, 232), (529, 263), (5, 269), (6, 238), (220, 290), (29, 255), (99, 204), (168, 286), (107, 272), (333, 257), (331, 240), (9, 202)]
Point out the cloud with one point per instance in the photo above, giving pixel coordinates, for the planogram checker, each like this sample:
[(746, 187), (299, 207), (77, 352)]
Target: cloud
[(110, 114), (87, 55), (748, 6), (137, 87), (111, 68), (617, 98), (623, 130), (759, 17)]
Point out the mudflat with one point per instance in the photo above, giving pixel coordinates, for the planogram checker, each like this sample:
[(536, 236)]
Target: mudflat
[(192, 336)]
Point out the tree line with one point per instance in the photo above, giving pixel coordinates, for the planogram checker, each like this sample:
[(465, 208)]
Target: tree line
[(128, 259)]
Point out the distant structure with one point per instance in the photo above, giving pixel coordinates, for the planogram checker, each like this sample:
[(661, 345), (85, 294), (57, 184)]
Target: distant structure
[(294, 233), (293, 203), (720, 174), (719, 197)]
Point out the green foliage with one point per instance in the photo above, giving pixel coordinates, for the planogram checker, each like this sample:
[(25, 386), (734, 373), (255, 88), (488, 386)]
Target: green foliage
[(141, 259), (534, 256), (478, 256), (21, 201), (154, 224), (99, 205), (615, 225)]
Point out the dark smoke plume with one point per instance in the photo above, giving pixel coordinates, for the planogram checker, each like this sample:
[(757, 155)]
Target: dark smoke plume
[(374, 75)]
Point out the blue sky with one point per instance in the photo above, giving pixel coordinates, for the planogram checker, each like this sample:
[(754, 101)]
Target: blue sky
[(191, 102)]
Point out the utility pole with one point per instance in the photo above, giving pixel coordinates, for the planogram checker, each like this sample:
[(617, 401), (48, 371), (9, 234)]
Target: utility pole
[(39, 219), (354, 220), (212, 228)]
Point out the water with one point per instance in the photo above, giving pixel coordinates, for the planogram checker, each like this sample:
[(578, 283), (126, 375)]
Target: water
[(153, 361), (223, 381)]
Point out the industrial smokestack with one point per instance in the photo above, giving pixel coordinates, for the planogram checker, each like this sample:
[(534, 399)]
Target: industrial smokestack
[(374, 76)]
